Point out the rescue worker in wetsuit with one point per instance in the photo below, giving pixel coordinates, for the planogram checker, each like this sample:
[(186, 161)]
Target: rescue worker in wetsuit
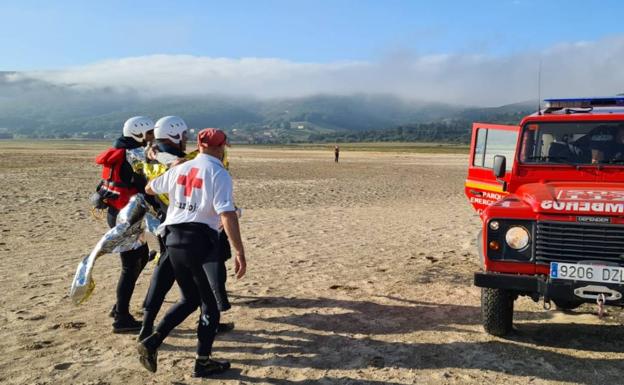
[(170, 134), (120, 182), (200, 193)]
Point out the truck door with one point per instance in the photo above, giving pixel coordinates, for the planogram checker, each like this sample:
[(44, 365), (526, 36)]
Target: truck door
[(488, 140)]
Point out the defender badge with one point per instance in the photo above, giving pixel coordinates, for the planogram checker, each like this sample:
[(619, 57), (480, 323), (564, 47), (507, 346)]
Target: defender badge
[(593, 219)]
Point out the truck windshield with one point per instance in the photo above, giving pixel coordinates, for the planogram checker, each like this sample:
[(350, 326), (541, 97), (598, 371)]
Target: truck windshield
[(573, 143)]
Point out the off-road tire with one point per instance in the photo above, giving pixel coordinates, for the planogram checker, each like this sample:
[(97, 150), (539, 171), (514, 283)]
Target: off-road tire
[(497, 311), (564, 304)]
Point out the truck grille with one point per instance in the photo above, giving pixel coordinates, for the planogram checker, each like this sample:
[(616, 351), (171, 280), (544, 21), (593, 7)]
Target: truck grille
[(573, 242)]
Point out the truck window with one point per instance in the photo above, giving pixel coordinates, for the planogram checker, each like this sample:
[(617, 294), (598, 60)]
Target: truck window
[(573, 143), (492, 142)]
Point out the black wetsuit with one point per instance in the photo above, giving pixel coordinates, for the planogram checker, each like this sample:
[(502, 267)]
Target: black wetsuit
[(163, 277), (192, 249), (218, 275), (132, 261)]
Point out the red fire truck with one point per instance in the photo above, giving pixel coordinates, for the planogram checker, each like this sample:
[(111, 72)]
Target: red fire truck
[(550, 193)]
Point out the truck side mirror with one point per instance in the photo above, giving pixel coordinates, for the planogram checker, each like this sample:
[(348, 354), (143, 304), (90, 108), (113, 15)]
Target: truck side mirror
[(500, 164), (499, 168)]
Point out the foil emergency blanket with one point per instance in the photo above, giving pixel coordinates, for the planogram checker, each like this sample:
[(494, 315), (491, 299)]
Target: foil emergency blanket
[(128, 234), (136, 158)]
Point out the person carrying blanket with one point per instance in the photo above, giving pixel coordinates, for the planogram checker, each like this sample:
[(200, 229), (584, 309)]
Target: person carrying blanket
[(120, 182)]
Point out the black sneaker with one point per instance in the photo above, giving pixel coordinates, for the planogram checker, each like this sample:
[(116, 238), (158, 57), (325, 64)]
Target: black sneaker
[(126, 324), (147, 356), (207, 367), (225, 327)]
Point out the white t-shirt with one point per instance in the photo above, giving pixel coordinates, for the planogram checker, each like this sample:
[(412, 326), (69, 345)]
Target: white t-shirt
[(199, 190)]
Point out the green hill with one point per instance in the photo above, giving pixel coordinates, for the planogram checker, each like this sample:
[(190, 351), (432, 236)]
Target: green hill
[(31, 108)]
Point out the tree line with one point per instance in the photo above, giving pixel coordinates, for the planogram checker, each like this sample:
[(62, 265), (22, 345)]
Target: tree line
[(447, 131)]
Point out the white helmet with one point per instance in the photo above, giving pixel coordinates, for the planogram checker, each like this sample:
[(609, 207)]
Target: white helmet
[(137, 126), (170, 127)]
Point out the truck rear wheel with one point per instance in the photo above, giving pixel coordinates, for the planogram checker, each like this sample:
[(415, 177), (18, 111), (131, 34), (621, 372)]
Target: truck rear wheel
[(497, 311)]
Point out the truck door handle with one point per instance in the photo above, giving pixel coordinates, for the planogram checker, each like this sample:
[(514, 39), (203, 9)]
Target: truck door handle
[(477, 193)]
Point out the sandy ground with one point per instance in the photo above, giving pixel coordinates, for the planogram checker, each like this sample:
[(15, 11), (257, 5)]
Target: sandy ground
[(359, 273)]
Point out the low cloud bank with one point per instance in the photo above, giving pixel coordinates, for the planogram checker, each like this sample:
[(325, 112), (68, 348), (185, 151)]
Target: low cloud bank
[(574, 69)]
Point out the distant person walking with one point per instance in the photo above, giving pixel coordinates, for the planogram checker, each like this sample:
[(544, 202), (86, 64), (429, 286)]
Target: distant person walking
[(336, 153)]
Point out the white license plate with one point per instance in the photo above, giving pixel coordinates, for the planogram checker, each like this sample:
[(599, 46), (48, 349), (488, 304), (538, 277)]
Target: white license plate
[(590, 273)]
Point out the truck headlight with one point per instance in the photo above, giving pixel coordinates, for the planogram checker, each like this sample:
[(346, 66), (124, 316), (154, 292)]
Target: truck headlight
[(517, 237)]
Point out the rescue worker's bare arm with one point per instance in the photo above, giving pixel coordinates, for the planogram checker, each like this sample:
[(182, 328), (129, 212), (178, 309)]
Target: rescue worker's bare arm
[(148, 189), (230, 225), (152, 153)]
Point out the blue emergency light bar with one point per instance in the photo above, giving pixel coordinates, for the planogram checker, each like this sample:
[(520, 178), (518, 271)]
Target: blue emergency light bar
[(613, 101)]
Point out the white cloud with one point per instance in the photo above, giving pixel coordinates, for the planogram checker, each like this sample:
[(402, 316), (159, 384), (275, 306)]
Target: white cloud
[(571, 69)]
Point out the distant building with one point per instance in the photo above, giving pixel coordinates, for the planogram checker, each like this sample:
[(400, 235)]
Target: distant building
[(299, 125)]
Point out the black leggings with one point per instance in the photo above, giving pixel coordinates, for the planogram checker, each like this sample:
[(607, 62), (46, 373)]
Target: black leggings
[(132, 263), (217, 276), (188, 269), (163, 279)]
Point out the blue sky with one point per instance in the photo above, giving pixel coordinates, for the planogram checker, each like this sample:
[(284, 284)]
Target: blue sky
[(468, 52), (37, 35)]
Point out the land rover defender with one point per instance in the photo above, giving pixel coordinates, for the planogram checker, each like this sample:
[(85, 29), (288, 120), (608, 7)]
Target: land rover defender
[(550, 194)]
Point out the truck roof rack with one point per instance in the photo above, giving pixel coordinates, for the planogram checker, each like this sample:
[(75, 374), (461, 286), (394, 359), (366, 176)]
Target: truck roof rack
[(588, 103)]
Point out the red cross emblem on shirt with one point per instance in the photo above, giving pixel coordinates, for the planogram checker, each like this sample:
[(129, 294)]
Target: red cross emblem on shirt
[(189, 181)]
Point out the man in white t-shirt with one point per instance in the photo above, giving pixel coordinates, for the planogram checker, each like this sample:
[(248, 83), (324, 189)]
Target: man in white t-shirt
[(200, 195)]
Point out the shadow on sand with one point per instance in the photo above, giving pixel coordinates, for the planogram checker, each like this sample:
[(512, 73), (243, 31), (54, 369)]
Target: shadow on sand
[(236, 374), (346, 340)]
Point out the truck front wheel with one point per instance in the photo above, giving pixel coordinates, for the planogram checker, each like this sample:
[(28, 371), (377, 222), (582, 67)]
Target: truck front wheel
[(497, 311), (563, 304)]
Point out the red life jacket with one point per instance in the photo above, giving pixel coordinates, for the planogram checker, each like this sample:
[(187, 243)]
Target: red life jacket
[(116, 191)]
